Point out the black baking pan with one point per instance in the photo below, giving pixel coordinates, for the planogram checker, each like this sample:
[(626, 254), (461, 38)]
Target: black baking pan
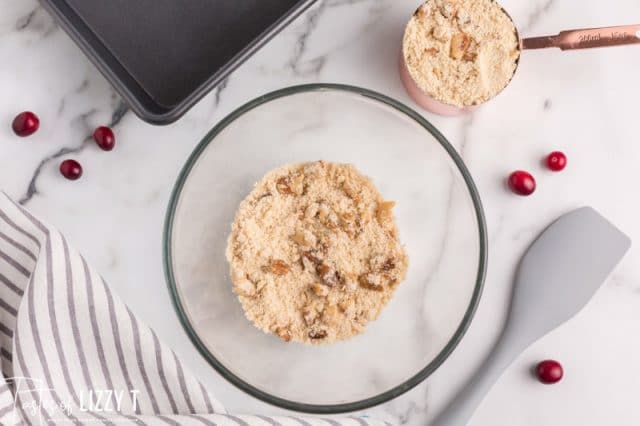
[(162, 56)]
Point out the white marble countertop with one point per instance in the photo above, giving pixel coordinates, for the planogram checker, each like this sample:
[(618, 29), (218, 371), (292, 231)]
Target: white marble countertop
[(584, 103)]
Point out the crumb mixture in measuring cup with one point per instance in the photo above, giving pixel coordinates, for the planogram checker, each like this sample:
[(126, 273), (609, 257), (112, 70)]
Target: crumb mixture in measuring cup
[(314, 253), (461, 52)]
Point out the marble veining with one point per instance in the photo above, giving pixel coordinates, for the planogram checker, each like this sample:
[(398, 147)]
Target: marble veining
[(38, 21), (536, 15), (121, 110), (584, 103), (300, 47)]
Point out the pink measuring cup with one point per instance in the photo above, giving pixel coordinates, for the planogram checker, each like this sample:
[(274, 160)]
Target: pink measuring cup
[(585, 38)]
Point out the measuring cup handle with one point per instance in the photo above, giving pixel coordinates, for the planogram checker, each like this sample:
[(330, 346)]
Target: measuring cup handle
[(587, 38)]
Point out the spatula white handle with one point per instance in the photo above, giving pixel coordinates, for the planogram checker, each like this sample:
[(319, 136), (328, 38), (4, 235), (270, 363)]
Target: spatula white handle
[(460, 410)]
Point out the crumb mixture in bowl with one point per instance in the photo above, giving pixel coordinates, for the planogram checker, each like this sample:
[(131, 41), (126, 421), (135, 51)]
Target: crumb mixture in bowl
[(314, 253), (461, 52)]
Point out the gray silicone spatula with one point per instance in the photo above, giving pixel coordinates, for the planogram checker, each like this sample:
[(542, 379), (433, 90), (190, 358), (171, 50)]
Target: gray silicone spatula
[(557, 276)]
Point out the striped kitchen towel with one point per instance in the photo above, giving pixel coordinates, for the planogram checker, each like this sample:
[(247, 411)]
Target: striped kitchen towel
[(72, 353)]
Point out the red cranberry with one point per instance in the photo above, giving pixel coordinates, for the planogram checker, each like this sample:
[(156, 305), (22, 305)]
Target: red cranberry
[(522, 183), (71, 169), (549, 371), (25, 124), (556, 161), (105, 138)]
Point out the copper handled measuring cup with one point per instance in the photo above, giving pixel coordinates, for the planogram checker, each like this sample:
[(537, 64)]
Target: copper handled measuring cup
[(586, 38)]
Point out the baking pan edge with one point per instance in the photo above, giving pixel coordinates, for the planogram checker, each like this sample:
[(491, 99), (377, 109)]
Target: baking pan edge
[(129, 89)]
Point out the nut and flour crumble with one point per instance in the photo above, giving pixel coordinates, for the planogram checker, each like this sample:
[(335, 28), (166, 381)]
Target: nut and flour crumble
[(314, 253), (461, 52)]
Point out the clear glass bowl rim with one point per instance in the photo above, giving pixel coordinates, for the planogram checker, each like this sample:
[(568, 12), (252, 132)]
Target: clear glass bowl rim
[(395, 391)]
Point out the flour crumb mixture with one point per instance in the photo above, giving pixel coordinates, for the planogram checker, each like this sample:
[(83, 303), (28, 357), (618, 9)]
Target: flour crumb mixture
[(461, 52), (314, 253)]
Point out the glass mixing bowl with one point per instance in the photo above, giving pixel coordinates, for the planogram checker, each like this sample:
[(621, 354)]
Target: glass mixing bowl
[(439, 216)]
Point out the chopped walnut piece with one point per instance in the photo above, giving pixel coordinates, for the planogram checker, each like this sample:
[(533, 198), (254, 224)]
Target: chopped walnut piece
[(244, 287), (284, 333), (328, 217), (463, 17), (470, 56), (311, 211), (367, 214), (331, 314), (421, 11), (282, 185), (389, 265), (348, 217), (441, 33), (384, 213), (349, 225), (303, 300), (309, 261), (350, 190), (371, 281), (307, 264), (297, 184), (328, 275), (330, 311), (279, 267), (447, 10), (320, 290), (305, 238), (263, 196), (323, 269), (318, 333), (430, 51), (460, 43), (328, 240), (323, 211), (291, 184), (348, 308), (309, 315), (350, 283)]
